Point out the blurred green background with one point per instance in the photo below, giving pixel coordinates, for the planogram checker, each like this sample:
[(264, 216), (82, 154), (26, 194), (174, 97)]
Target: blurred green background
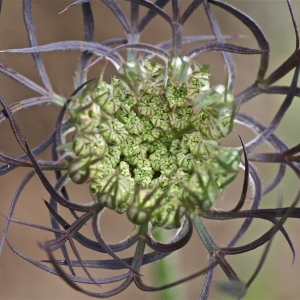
[(279, 279)]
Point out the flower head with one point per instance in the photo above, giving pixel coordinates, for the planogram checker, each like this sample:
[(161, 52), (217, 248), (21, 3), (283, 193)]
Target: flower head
[(157, 126)]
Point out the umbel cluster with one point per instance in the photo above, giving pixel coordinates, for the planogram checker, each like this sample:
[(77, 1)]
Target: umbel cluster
[(150, 137)]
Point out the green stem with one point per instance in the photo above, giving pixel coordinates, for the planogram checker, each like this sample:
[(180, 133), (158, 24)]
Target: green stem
[(204, 235), (164, 273)]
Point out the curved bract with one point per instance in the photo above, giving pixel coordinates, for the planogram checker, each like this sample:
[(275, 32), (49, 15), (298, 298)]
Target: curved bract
[(147, 142)]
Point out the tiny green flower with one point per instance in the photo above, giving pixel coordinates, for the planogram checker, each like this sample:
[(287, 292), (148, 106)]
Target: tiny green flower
[(153, 134)]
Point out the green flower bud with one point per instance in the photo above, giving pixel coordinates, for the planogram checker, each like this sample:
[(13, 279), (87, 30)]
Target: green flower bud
[(113, 131), (116, 192), (187, 162), (89, 143), (198, 146), (181, 118), (143, 172), (204, 186), (79, 171), (170, 216), (180, 69), (86, 118), (142, 207), (104, 97), (133, 75)]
